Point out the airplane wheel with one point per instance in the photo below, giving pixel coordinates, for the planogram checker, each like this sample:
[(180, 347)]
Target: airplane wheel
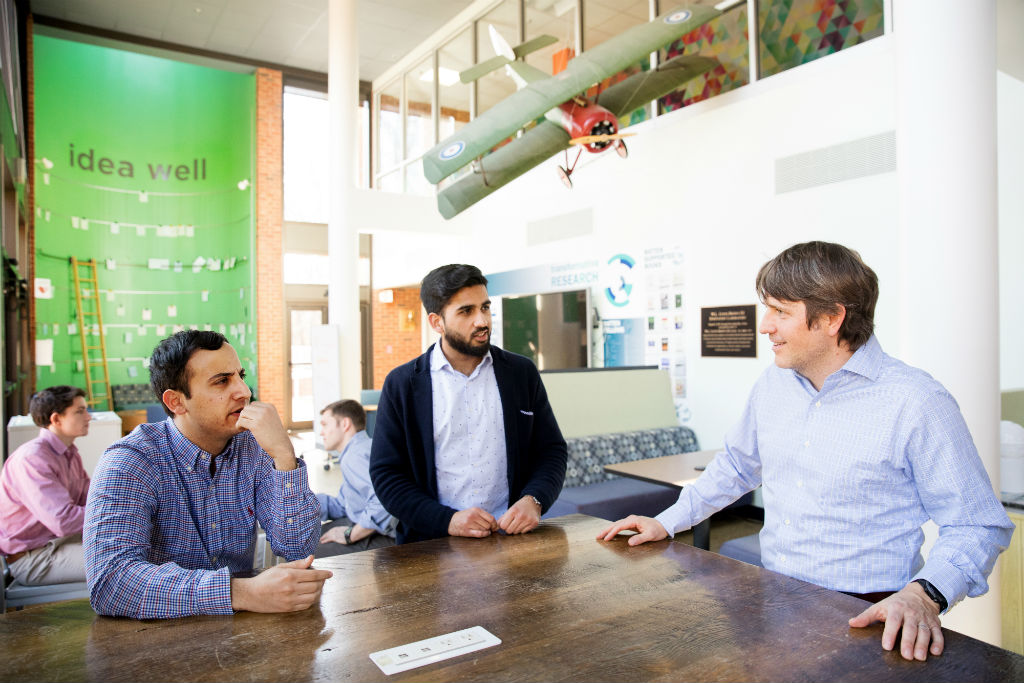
[(621, 150), (564, 175)]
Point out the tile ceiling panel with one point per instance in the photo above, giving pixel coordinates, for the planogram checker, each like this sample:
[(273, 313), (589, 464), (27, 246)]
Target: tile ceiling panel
[(288, 32)]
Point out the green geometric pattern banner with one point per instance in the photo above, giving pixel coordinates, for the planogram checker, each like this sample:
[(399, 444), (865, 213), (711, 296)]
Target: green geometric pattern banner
[(795, 32), (145, 165), (724, 38)]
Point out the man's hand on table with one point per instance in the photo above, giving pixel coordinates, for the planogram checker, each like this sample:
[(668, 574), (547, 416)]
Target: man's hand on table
[(288, 587), (646, 528), (918, 614), (472, 522), (262, 420), (522, 517), (337, 534)]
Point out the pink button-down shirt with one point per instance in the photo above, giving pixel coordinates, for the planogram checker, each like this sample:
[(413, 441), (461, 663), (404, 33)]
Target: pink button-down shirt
[(43, 486)]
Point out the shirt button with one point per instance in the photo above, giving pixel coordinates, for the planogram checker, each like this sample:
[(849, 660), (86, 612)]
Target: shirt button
[(806, 444), (189, 468), (818, 404), (782, 558), (289, 520), (214, 560), (787, 522), (211, 488), (205, 456), (213, 525), (287, 484), (799, 484)]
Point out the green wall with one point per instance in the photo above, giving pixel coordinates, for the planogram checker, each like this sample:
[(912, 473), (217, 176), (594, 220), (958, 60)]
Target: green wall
[(114, 124)]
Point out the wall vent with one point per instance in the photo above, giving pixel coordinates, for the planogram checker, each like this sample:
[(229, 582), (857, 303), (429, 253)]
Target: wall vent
[(854, 159), (563, 227)]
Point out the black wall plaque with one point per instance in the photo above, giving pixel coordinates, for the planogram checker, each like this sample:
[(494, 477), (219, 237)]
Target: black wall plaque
[(729, 331)]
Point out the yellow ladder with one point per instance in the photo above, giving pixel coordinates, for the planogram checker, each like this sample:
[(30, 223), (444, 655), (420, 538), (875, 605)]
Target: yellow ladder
[(89, 314)]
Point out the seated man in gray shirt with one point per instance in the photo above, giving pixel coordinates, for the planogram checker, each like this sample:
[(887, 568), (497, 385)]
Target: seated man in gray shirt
[(360, 521)]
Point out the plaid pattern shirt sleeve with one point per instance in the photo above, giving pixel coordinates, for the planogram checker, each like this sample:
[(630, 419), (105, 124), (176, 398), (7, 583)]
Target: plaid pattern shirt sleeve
[(162, 536)]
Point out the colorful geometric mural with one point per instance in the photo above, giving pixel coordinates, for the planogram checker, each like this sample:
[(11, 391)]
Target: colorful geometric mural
[(724, 38), (795, 32)]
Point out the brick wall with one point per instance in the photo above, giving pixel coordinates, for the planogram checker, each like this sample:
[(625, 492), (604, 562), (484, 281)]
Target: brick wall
[(270, 311), (396, 331), (30, 197)]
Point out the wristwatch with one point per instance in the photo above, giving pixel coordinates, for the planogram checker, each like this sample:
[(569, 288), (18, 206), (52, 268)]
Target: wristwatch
[(348, 535), (536, 500), (933, 593)]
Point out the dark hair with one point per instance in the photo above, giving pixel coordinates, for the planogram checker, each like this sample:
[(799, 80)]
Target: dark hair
[(350, 409), (441, 284), (52, 400), (169, 363), (823, 276)]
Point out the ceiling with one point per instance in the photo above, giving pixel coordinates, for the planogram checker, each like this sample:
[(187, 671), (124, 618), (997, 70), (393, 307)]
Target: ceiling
[(288, 32)]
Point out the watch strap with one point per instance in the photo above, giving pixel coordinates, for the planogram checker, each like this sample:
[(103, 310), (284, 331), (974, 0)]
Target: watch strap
[(933, 593), (348, 535)]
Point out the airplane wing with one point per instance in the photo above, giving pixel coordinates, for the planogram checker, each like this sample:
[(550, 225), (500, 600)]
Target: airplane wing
[(503, 166), (641, 88), (534, 100)]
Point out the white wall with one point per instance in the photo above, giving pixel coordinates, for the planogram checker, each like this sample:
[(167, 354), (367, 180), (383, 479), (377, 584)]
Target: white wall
[(1010, 113), (704, 177)]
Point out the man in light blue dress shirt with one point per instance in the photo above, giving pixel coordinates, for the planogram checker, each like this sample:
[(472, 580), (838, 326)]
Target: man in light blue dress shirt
[(854, 451), (360, 522)]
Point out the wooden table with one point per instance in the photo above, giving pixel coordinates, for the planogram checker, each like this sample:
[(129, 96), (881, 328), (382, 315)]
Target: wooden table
[(675, 471), (566, 607)]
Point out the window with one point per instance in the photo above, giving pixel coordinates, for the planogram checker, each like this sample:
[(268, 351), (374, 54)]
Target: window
[(306, 167)]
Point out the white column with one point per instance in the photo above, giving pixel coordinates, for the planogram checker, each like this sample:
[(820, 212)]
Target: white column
[(342, 229), (946, 159)]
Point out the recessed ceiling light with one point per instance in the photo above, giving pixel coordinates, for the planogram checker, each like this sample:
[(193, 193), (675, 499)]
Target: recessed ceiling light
[(199, 10)]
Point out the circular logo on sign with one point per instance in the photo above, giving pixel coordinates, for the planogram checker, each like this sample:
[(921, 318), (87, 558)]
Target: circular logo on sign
[(453, 150), (678, 17), (619, 279)]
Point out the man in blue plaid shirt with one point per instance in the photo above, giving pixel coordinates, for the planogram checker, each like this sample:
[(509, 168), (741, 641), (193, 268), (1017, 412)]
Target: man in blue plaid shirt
[(170, 523), (853, 451)]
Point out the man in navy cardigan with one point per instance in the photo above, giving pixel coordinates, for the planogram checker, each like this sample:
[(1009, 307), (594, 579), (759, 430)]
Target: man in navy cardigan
[(465, 442)]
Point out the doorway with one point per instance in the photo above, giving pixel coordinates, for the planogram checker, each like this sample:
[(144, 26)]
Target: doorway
[(301, 320)]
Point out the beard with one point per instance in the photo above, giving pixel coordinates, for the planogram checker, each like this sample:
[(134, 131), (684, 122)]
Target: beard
[(466, 346)]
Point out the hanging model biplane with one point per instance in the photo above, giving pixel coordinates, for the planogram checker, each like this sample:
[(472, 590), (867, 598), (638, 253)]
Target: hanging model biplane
[(569, 117)]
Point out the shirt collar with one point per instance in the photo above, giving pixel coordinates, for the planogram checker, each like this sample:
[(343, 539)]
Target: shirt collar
[(438, 361), (357, 438), (54, 442), (186, 452), (867, 360)]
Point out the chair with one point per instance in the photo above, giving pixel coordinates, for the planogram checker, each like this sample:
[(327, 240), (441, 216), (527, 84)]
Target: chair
[(369, 398), (18, 595), (745, 549)]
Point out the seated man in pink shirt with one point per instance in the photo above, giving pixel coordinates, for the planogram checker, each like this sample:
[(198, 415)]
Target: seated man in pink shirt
[(42, 493)]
